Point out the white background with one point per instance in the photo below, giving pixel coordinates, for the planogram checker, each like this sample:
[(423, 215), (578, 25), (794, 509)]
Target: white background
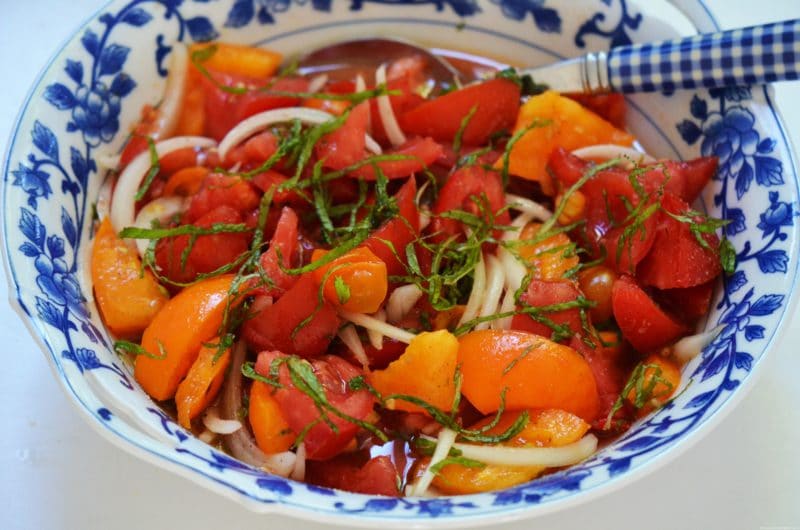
[(55, 472)]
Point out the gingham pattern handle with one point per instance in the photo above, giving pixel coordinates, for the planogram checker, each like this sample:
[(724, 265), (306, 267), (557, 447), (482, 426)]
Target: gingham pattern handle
[(756, 55)]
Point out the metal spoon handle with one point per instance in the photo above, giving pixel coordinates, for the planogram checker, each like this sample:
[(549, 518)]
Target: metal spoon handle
[(755, 55)]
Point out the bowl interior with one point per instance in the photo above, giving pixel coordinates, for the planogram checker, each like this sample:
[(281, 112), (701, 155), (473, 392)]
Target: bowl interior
[(92, 92)]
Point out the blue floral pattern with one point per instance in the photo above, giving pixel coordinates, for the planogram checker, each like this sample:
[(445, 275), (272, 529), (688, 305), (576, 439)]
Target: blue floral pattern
[(91, 91), (243, 12)]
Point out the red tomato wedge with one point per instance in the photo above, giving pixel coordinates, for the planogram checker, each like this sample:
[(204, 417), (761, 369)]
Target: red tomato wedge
[(285, 325), (466, 184), (421, 153), (543, 293), (349, 472), (283, 250), (299, 410), (399, 231), (345, 146), (496, 103), (677, 259), (222, 190), (642, 322)]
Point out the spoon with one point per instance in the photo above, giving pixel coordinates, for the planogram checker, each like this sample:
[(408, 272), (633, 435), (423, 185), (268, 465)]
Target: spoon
[(754, 55)]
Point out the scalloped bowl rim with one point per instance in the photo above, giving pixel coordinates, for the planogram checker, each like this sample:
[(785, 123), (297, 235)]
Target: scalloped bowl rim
[(165, 461)]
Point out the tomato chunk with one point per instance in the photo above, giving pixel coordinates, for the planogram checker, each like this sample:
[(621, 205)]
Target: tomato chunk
[(422, 153), (542, 293), (299, 410), (677, 259), (286, 326), (222, 190), (349, 472), (399, 231), (496, 103), (282, 252), (642, 322)]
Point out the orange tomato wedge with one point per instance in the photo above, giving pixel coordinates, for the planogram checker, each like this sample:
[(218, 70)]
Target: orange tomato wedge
[(186, 181), (272, 433), (571, 126), (174, 337), (202, 383), (546, 428), (357, 281), (549, 259), (426, 370), (241, 60), (128, 300), (536, 372)]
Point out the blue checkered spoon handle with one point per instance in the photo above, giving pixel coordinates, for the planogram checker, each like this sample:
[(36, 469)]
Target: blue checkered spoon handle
[(756, 55)]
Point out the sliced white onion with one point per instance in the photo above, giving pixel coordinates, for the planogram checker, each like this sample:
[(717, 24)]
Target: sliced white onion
[(476, 294), (159, 209), (369, 322), (258, 122), (169, 109), (495, 280), (376, 337), (129, 181), (217, 425), (514, 270), (393, 131), (501, 455), (103, 204), (424, 217), (401, 301), (609, 151), (506, 306), (317, 82), (690, 347), (528, 206), (350, 338), (446, 440), (361, 86), (299, 471), (106, 161)]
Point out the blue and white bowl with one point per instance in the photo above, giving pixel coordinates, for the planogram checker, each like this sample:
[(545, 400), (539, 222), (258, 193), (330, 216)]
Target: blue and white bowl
[(90, 94)]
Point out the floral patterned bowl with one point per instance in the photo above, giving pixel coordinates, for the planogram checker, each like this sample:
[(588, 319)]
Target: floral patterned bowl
[(91, 93)]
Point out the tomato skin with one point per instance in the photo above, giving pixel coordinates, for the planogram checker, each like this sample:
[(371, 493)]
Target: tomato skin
[(361, 272), (345, 146), (542, 293), (273, 326), (224, 110), (690, 303), (424, 151), (611, 107), (284, 239), (677, 260), (609, 372), (496, 102), (467, 182), (642, 322), (623, 254), (333, 373), (404, 82), (349, 472), (222, 190), (400, 231), (209, 252)]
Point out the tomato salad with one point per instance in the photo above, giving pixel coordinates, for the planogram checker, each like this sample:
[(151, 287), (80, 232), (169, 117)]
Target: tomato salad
[(370, 286)]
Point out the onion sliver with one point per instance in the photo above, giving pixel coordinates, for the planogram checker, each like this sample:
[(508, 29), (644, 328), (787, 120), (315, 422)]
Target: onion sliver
[(217, 425), (476, 295), (401, 301), (366, 321), (609, 151), (129, 181), (316, 84), (393, 131), (528, 206), (299, 471), (690, 347), (349, 336), (495, 280), (158, 209), (258, 122), (443, 445), (500, 455), (169, 109), (374, 335)]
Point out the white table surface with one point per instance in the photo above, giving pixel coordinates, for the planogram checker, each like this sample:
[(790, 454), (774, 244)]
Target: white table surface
[(55, 472)]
